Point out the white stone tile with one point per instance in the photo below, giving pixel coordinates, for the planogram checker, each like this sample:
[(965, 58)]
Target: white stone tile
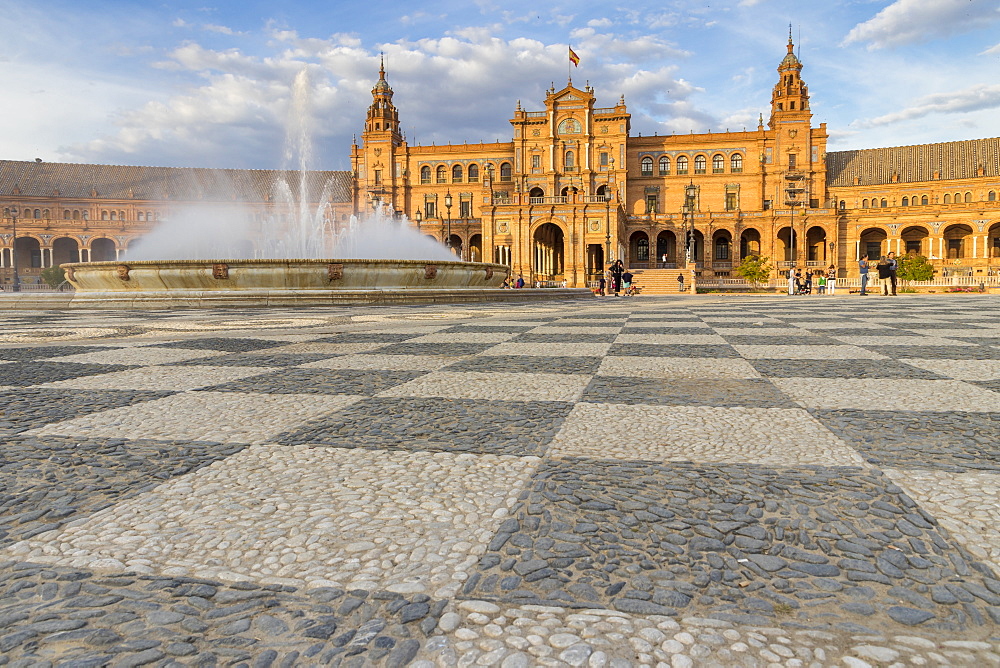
[(177, 378), (771, 436), (549, 349), (492, 385), (325, 348), (845, 324), (144, 356), (384, 362), (965, 504), (503, 323), (807, 352), (899, 341), (225, 417), (676, 367), (764, 331), (894, 395), (968, 333), (960, 369), (352, 518)]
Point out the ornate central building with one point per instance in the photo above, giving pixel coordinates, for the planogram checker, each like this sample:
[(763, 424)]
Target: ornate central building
[(571, 191)]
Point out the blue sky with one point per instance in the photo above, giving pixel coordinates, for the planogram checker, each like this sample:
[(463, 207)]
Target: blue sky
[(210, 84)]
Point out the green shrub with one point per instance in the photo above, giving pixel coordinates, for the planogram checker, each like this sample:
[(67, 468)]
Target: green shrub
[(54, 276)]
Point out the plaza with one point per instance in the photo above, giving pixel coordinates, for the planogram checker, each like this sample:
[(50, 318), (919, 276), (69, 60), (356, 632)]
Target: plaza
[(662, 481)]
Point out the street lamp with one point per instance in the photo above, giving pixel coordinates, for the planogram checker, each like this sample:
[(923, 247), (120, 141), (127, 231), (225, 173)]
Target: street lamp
[(690, 192), (447, 205), (607, 212), (419, 215), (16, 285)]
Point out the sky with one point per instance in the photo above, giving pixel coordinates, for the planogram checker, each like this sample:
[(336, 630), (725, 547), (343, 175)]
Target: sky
[(225, 83)]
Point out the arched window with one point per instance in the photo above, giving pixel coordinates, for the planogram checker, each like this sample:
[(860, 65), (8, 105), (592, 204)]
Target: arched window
[(736, 163), (104, 215), (442, 174), (958, 198), (141, 217), (864, 204), (992, 196), (473, 173), (646, 166), (664, 165), (505, 171), (570, 160), (121, 215), (114, 215), (947, 199), (85, 215), (885, 204), (906, 201), (718, 164), (425, 174), (38, 214), (700, 164), (682, 164), (923, 200), (456, 174), (66, 215), (968, 199), (642, 250), (722, 248), (843, 205), (76, 214)]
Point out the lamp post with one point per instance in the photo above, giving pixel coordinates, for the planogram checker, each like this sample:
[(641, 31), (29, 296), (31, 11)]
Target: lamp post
[(447, 206), (607, 211), (419, 215), (16, 285), (690, 192)]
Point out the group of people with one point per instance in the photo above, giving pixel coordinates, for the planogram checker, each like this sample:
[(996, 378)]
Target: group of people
[(826, 282), (886, 267), (615, 280), (802, 284)]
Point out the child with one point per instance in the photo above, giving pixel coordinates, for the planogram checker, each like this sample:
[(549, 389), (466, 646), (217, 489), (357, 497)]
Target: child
[(821, 285)]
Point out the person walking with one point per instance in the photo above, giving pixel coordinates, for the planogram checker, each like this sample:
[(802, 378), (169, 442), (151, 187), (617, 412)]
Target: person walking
[(863, 270), (627, 283), (601, 285), (680, 282), (791, 280), (807, 287), (831, 280), (821, 284), (884, 270), (893, 268)]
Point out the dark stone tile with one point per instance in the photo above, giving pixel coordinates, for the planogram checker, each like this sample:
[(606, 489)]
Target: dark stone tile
[(737, 541), (23, 374), (443, 425), (223, 344), (979, 340), (486, 328), (532, 337), (715, 350), (937, 352), (48, 481), (365, 382), (367, 337), (676, 331), (952, 441), (834, 368), (46, 352), (33, 406), (527, 364), (757, 393), (803, 340), (450, 349), (257, 359)]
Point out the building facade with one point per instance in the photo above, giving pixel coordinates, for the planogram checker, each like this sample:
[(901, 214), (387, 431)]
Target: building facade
[(571, 191)]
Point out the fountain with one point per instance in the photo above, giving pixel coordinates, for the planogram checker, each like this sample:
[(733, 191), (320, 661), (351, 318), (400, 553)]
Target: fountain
[(376, 259)]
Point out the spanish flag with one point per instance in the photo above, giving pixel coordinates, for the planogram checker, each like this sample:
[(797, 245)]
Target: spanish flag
[(573, 58)]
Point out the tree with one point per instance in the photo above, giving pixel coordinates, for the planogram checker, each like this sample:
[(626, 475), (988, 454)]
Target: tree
[(914, 268), (754, 269), (54, 276)]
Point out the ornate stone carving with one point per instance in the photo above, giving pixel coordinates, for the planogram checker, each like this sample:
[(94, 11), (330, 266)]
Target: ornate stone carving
[(123, 270), (220, 271), (334, 272), (70, 274), (430, 271), (489, 273)]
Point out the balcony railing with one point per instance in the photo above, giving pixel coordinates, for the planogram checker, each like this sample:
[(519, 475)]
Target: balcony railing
[(546, 200)]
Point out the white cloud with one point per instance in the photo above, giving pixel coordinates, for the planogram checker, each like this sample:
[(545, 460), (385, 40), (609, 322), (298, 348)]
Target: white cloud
[(974, 98), (913, 21)]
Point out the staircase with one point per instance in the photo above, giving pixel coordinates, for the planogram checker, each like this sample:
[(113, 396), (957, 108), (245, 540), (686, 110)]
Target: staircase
[(660, 281)]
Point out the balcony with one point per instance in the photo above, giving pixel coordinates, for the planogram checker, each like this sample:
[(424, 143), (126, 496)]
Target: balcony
[(546, 200), (794, 176)]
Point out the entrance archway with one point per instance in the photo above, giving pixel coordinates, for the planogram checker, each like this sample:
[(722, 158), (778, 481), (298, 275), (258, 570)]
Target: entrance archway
[(749, 243), (65, 249), (548, 252), (915, 240), (638, 248), (666, 244), (873, 243), (476, 248), (102, 250), (816, 244)]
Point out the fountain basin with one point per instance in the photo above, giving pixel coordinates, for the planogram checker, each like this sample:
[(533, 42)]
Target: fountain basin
[(218, 283)]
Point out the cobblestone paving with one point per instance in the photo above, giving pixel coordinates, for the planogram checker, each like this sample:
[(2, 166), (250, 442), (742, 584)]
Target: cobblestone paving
[(612, 482)]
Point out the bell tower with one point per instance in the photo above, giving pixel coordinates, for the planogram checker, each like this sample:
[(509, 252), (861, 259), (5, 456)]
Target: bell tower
[(376, 163), (790, 97)]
